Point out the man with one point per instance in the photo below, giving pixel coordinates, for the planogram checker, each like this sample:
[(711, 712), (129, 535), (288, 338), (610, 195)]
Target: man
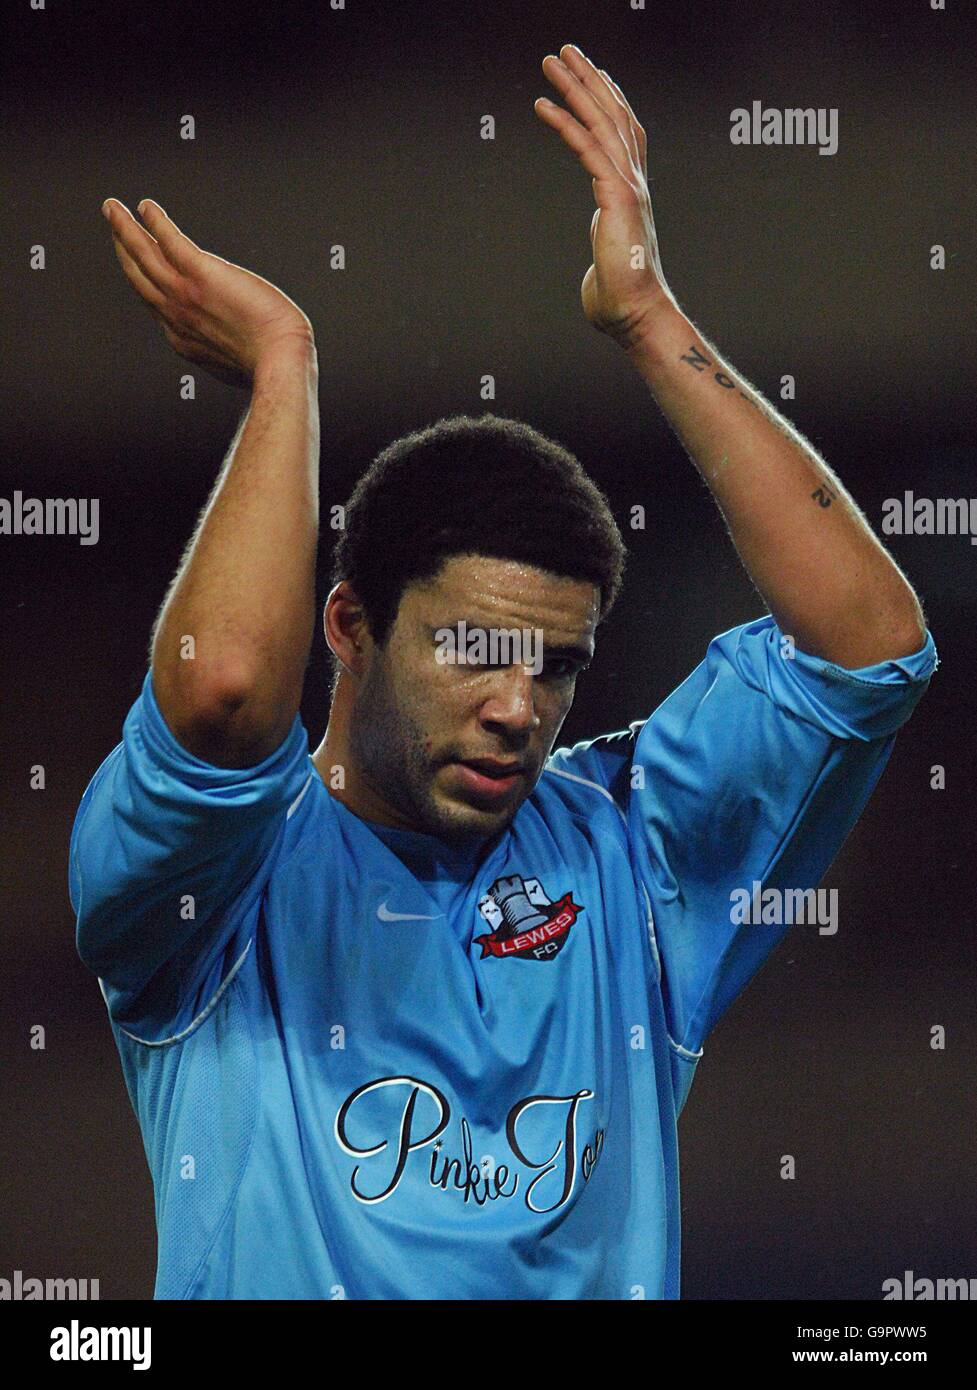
[(415, 1018)]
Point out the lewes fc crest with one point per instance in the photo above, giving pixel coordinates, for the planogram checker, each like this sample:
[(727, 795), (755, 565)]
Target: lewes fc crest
[(525, 923)]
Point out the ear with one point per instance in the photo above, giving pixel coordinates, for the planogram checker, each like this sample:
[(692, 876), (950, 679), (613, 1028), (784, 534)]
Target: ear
[(345, 626)]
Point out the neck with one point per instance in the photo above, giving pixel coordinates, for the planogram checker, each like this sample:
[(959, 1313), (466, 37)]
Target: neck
[(335, 764)]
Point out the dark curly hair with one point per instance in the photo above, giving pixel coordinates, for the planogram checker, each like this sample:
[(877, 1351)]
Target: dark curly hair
[(467, 485)]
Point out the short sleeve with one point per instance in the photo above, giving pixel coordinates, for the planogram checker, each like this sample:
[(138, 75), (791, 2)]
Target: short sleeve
[(164, 843), (749, 776)]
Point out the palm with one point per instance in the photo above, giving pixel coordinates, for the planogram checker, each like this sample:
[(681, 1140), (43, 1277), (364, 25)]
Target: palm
[(623, 271), (626, 280), (212, 312)]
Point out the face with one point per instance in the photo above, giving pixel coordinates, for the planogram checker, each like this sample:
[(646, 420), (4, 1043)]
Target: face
[(455, 715)]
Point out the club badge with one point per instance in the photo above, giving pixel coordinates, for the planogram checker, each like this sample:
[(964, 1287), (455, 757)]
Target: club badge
[(526, 924)]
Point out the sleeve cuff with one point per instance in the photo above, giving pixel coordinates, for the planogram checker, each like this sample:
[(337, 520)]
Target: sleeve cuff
[(869, 702), (166, 753)]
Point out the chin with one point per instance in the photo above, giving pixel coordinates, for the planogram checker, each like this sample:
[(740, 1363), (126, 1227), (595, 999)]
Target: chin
[(462, 823)]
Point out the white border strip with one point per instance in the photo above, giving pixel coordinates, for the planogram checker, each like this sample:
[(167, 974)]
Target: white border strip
[(209, 1008), (572, 777), (294, 806)]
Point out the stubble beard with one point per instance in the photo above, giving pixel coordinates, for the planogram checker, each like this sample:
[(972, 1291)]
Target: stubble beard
[(389, 748)]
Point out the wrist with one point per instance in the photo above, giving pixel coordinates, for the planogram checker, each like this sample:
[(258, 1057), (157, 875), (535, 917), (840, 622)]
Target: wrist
[(662, 332), (289, 352)]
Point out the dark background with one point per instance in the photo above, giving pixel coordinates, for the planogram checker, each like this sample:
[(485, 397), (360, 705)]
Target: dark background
[(464, 257)]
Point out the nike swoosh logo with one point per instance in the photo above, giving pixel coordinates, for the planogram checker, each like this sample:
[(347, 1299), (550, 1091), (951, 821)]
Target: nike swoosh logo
[(385, 915)]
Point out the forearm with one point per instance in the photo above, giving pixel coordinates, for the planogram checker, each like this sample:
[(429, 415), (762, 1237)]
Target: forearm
[(245, 590), (820, 569)]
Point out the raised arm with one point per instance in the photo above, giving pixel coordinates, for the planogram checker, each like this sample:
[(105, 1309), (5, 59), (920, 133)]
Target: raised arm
[(824, 575), (245, 589)]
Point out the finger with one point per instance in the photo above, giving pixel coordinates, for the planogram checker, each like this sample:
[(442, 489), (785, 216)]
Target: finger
[(624, 122), (192, 350), (636, 126), (170, 330), (589, 111), (140, 245), (585, 145), (586, 73), (607, 92), (596, 83), (178, 249), (180, 339), (139, 282), (627, 134)]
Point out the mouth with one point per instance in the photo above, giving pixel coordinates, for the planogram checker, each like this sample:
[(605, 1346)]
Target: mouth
[(490, 779)]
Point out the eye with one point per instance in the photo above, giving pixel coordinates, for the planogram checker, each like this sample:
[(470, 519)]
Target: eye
[(563, 668)]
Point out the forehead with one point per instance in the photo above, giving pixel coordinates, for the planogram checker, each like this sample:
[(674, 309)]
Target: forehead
[(505, 593)]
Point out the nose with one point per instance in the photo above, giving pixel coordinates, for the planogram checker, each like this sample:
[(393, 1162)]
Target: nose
[(512, 702)]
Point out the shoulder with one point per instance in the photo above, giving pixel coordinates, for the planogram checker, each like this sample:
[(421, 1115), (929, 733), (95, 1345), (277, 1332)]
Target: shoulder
[(593, 772), (308, 817), (584, 786)]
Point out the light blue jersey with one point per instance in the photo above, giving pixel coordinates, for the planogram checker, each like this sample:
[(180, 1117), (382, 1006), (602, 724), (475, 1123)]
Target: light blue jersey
[(366, 1065)]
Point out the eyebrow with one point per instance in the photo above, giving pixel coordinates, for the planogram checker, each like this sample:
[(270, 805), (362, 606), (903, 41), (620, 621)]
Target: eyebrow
[(567, 650), (582, 654)]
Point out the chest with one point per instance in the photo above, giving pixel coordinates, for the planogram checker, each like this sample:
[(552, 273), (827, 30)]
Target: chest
[(542, 946), (476, 1037)]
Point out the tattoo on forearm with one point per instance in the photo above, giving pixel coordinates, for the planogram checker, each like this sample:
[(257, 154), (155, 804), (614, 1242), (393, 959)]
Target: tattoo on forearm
[(824, 495), (695, 358), (697, 361)]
